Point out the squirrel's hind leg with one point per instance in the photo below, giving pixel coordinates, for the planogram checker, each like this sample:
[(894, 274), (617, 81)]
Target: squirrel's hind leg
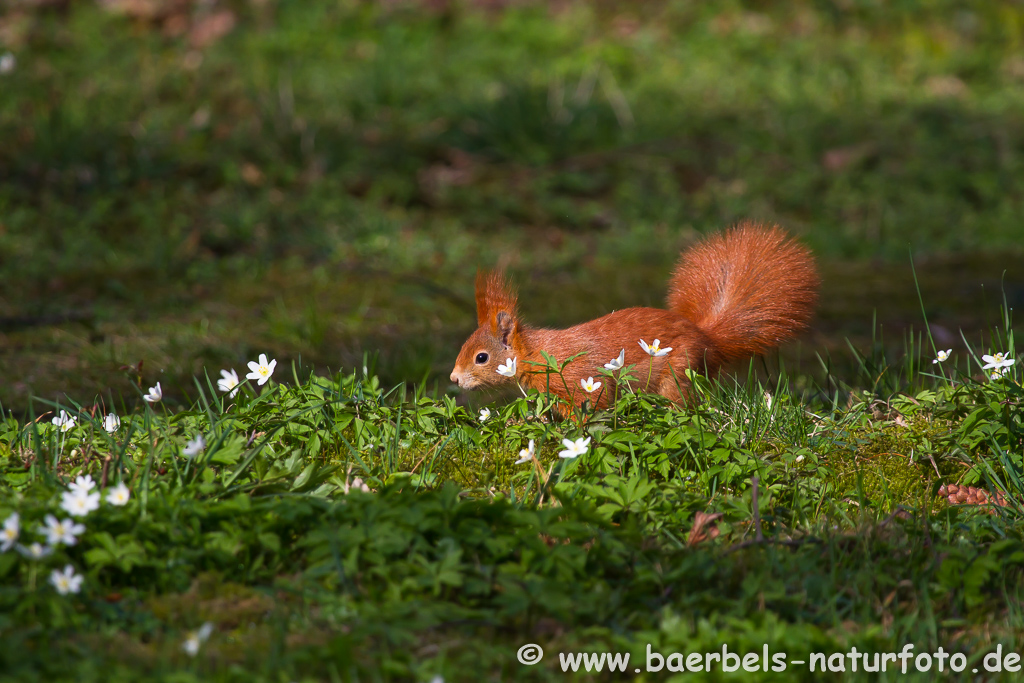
[(676, 388)]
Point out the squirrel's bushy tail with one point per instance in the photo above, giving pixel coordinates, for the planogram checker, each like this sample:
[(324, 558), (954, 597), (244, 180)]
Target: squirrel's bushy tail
[(749, 288)]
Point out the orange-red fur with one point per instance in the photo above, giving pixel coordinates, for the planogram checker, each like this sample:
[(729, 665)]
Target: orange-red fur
[(736, 294)]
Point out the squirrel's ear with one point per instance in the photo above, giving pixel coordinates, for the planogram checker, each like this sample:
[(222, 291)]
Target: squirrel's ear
[(506, 325)]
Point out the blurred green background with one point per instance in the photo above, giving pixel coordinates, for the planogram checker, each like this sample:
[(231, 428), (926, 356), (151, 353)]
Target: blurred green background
[(188, 184)]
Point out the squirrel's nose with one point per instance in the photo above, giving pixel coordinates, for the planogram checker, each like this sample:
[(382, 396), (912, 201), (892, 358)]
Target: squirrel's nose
[(456, 376)]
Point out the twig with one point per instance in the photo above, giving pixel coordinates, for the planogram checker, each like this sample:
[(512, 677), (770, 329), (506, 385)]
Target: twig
[(103, 474)]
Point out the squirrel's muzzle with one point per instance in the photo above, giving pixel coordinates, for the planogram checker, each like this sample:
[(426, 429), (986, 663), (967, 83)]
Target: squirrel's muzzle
[(465, 380)]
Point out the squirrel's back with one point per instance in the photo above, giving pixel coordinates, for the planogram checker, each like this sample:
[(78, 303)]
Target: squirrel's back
[(749, 289)]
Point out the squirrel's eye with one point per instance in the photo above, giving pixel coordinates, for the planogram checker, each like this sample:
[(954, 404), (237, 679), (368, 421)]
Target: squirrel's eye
[(481, 358)]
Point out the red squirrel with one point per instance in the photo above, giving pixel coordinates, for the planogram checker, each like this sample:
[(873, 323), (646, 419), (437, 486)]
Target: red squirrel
[(736, 294)]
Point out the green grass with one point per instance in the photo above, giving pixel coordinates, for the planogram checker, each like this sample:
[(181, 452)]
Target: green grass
[(458, 556), (322, 183), (324, 180)]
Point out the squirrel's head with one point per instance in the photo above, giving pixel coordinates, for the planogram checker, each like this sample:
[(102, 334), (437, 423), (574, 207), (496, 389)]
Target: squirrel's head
[(495, 341)]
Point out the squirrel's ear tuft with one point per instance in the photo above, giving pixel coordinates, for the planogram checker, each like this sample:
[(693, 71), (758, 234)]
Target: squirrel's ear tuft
[(481, 298), (494, 297)]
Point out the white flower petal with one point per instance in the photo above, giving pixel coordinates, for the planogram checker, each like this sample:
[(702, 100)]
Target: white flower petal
[(66, 581), (526, 454), (616, 363), (195, 446), (62, 532), (79, 503), (509, 368), (10, 532), (155, 394), (119, 495), (228, 382), (35, 551), (575, 448), (191, 645), (83, 484)]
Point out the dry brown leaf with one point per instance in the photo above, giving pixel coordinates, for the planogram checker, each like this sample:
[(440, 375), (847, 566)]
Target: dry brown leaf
[(704, 528)]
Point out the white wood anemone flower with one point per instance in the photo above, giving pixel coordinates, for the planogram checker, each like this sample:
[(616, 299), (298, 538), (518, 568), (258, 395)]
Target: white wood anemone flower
[(485, 414), (589, 385), (79, 503), (195, 639), (262, 370), (356, 484), (10, 532), (655, 348), (998, 373), (155, 394), (616, 363), (66, 581), (527, 454), (942, 356), (58, 532), (509, 368), (195, 446), (997, 361), (229, 382), (35, 551), (111, 423), (118, 495), (64, 421), (574, 449), (82, 484)]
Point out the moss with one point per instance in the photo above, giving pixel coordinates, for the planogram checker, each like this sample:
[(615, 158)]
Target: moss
[(889, 468)]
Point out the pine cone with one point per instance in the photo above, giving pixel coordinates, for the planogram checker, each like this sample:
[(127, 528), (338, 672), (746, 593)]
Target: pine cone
[(970, 495)]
